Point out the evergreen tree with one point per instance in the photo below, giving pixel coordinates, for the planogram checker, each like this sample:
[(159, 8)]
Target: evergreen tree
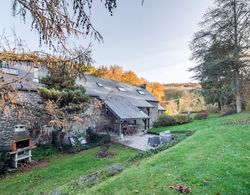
[(60, 87), (220, 48)]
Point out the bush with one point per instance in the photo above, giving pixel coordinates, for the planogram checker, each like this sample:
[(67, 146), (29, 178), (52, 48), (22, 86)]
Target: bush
[(69, 99), (201, 115), (89, 180), (210, 108), (182, 119), (114, 169), (4, 159), (94, 138), (105, 153), (51, 94), (227, 111), (164, 120), (44, 151)]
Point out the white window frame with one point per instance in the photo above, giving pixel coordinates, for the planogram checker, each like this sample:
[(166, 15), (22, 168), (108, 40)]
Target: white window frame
[(99, 84), (121, 89), (141, 92)]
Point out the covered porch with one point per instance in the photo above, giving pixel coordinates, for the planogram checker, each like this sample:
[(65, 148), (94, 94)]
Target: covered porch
[(129, 119)]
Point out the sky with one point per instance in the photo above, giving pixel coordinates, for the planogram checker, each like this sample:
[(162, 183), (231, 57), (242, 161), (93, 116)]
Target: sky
[(152, 40)]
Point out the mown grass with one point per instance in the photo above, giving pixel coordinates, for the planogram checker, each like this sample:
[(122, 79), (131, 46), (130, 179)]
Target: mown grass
[(192, 126), (216, 159), (61, 170)]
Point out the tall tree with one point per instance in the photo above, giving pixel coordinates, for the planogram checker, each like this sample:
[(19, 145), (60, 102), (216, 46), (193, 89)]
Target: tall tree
[(214, 75), (225, 31), (64, 100)]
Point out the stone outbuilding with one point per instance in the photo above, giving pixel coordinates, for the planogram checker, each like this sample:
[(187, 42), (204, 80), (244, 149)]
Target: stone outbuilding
[(115, 107)]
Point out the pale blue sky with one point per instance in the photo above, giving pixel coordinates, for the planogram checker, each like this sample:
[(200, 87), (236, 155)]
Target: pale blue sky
[(152, 40)]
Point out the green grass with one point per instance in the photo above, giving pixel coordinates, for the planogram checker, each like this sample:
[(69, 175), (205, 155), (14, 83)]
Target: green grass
[(61, 170), (215, 159), (46, 151), (192, 126)]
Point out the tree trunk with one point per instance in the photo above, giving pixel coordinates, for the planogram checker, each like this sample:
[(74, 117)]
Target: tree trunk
[(236, 58), (219, 105), (238, 93)]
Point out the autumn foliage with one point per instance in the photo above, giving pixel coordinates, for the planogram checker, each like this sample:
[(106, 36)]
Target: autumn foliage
[(116, 73)]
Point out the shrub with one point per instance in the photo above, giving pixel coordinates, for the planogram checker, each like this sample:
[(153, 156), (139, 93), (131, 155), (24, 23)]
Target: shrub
[(201, 115), (105, 153), (182, 119), (114, 169), (94, 138), (77, 146), (50, 94), (227, 111), (210, 108), (164, 120), (69, 99), (4, 160), (89, 180), (43, 152)]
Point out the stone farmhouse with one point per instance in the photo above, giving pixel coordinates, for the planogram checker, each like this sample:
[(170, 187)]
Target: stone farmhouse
[(119, 108), (125, 106)]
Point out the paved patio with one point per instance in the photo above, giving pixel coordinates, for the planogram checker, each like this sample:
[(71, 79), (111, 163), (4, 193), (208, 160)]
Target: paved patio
[(138, 141)]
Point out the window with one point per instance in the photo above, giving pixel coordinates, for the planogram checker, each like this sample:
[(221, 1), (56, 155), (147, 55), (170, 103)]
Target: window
[(121, 89), (36, 75), (141, 92), (99, 84), (11, 71)]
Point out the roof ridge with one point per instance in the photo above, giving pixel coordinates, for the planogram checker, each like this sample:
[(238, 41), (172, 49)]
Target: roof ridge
[(114, 81)]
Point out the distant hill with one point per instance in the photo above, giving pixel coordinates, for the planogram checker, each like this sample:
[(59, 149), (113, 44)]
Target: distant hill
[(182, 85), (175, 90)]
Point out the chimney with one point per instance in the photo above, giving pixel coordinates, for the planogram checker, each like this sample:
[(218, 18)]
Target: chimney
[(143, 86)]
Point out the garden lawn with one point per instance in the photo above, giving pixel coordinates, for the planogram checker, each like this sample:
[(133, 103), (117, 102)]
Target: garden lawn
[(61, 170), (214, 160)]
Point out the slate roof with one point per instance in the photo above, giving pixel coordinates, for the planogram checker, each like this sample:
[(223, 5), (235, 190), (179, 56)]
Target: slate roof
[(160, 108), (123, 104), (123, 109), (109, 86)]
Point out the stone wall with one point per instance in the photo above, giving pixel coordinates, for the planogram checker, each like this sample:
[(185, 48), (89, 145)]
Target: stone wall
[(30, 114), (91, 118), (36, 119), (154, 114)]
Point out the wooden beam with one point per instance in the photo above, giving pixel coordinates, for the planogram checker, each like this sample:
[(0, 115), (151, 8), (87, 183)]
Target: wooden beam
[(120, 129), (145, 123)]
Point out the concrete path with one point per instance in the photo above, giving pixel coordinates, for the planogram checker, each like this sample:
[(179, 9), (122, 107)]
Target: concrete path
[(138, 141)]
